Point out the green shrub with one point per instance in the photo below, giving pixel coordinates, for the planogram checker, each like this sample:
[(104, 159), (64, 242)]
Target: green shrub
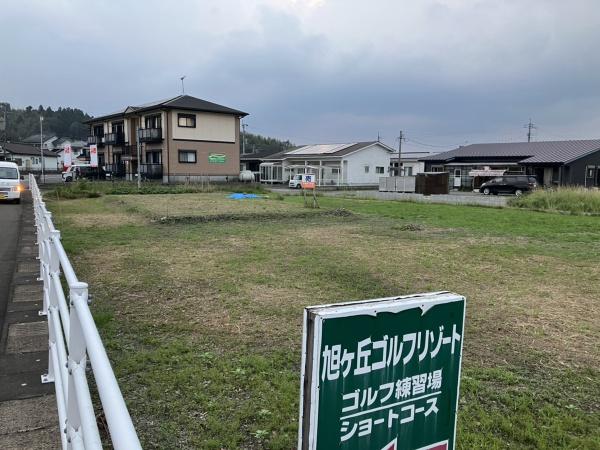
[(91, 189), (574, 200)]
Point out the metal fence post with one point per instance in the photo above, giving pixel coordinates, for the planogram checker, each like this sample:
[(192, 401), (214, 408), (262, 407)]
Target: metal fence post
[(81, 416)]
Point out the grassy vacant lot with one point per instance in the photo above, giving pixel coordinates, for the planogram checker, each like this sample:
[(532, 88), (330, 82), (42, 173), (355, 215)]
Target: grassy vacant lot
[(574, 200), (203, 319)]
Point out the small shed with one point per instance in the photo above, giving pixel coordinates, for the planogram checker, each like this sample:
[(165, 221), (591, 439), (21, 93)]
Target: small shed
[(432, 183)]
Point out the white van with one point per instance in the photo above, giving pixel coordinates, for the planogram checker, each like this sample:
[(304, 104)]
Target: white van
[(10, 182), (297, 180)]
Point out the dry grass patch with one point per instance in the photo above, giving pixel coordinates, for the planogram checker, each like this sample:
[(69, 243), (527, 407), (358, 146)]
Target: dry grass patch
[(164, 205)]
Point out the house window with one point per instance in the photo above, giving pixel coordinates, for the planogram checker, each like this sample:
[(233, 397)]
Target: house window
[(154, 121), (437, 168), (366, 169), (99, 130), (187, 156), (379, 169), (118, 127), (154, 157), (186, 120), (335, 171), (408, 171)]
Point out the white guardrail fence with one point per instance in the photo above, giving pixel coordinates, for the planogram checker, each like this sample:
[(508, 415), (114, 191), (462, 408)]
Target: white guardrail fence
[(73, 337)]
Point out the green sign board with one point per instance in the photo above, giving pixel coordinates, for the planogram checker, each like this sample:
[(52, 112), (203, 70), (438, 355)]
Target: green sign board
[(217, 158), (382, 374)]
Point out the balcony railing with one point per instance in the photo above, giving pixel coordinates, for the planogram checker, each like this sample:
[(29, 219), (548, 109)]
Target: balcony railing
[(94, 140), (114, 138), (150, 134)]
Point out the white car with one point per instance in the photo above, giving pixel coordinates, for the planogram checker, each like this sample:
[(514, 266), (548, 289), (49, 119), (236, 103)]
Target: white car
[(10, 182), (297, 180)]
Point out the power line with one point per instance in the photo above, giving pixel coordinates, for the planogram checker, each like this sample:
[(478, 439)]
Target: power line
[(414, 141)]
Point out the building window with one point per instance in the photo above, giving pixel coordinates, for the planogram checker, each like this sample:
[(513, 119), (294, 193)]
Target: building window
[(379, 169), (335, 171), (437, 168), (99, 130), (154, 157), (118, 127), (187, 156), (186, 120), (366, 169), (153, 121), (408, 171)]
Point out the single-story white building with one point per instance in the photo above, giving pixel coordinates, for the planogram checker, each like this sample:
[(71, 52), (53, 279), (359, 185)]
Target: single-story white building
[(350, 164), (28, 157), (409, 163)]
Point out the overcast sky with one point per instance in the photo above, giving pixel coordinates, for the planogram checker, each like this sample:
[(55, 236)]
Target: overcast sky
[(444, 71)]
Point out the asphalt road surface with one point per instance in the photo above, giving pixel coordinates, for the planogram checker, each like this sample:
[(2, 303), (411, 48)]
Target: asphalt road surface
[(10, 221)]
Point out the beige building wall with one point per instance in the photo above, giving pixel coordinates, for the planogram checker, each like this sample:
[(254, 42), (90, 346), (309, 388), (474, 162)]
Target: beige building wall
[(209, 127), (201, 168)]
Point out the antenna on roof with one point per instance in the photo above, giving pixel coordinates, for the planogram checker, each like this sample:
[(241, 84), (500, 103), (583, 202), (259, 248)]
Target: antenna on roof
[(530, 126), (182, 86)]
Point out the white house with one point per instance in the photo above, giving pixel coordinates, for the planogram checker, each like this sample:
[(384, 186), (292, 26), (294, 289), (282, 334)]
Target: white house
[(350, 164), (78, 147), (410, 163), (28, 157)]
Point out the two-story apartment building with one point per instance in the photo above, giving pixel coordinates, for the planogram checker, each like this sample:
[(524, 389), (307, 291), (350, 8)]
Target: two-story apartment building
[(180, 139)]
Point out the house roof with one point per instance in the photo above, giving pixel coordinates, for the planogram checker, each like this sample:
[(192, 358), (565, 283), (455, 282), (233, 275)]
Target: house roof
[(35, 138), (544, 152), (23, 149), (264, 153), (186, 102), (320, 151), (413, 155)]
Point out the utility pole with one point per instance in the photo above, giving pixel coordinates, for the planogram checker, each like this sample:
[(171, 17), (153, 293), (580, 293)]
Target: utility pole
[(530, 126), (244, 125), (41, 147), (400, 139)]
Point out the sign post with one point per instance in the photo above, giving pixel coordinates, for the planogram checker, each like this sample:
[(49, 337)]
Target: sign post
[(308, 183), (93, 156), (382, 374), (67, 156)]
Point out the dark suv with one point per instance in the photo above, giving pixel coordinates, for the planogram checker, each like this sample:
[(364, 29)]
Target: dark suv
[(509, 184)]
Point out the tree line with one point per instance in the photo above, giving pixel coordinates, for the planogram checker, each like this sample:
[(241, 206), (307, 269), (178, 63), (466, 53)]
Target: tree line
[(67, 122), (256, 143), (22, 123)]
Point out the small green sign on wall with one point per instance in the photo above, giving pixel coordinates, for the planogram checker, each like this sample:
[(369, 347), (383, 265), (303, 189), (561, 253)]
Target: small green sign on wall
[(382, 374), (217, 158)]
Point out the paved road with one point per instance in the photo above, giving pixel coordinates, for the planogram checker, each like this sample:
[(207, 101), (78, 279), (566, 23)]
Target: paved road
[(28, 418), (453, 198), (10, 220)]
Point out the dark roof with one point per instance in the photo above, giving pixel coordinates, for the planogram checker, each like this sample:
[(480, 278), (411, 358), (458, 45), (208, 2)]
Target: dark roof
[(544, 152), (180, 102), (35, 138), (259, 154), (344, 151), (22, 149)]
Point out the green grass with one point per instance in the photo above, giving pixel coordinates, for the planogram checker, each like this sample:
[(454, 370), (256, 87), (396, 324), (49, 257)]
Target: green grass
[(92, 189), (203, 321), (574, 200)]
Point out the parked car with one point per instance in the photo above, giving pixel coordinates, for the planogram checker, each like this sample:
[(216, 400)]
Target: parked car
[(10, 182), (509, 184), (78, 171)]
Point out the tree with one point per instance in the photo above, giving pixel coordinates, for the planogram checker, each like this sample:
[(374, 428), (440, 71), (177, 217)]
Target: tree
[(65, 122)]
